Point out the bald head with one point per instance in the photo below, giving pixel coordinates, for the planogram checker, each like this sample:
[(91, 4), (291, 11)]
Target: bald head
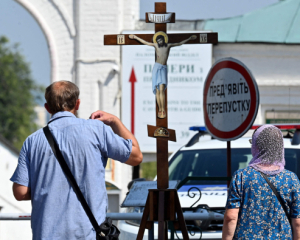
[(61, 96)]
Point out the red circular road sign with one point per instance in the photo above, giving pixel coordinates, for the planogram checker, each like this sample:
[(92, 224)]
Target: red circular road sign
[(230, 99)]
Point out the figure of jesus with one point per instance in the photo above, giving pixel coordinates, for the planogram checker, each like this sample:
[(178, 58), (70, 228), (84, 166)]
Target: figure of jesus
[(159, 72)]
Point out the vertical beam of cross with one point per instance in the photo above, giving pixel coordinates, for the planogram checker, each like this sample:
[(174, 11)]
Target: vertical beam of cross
[(160, 206), (162, 145)]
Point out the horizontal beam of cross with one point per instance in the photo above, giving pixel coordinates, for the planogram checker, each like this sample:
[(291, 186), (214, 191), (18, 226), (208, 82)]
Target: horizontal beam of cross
[(202, 38)]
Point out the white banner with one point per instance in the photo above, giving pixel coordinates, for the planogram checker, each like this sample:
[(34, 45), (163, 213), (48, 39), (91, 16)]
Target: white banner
[(188, 66)]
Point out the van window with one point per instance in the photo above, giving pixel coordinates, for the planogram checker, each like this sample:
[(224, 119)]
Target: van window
[(213, 163)]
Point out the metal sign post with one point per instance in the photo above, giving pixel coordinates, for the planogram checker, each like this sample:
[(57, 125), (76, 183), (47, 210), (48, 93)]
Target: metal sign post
[(228, 161)]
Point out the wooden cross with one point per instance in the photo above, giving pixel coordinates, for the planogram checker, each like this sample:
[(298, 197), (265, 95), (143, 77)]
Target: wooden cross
[(163, 203), (159, 18)]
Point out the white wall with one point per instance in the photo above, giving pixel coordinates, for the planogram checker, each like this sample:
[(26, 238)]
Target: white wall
[(276, 69), (75, 31), (11, 229)]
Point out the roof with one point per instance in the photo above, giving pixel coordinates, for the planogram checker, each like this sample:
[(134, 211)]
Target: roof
[(9, 145), (277, 23)]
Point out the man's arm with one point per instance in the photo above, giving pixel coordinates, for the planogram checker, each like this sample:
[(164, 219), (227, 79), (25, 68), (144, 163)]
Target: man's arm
[(131, 36), (21, 192), (182, 42), (136, 156), (229, 224)]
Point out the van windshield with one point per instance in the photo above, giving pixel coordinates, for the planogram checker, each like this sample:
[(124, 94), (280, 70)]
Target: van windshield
[(213, 163)]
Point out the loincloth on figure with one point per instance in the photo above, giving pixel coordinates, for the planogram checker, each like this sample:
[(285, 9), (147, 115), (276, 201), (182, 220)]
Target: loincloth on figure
[(159, 76)]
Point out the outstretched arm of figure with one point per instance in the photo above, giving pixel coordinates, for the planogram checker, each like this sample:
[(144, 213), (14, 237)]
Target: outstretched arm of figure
[(131, 36), (182, 42)]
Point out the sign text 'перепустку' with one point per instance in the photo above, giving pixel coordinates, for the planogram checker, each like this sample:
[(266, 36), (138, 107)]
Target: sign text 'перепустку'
[(221, 91)]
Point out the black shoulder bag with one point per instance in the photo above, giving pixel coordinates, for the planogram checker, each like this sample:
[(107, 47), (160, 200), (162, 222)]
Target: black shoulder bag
[(278, 197), (106, 231)]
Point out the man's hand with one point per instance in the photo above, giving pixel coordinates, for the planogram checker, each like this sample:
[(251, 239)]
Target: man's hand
[(136, 156), (193, 37), (131, 36), (106, 118)]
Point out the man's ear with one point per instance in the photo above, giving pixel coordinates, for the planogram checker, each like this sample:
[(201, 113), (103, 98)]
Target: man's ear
[(77, 104), (47, 108)]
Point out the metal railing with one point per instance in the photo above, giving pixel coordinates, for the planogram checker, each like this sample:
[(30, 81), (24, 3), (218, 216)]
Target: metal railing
[(203, 214)]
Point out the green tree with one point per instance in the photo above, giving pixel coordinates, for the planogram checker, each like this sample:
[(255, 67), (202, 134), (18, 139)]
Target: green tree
[(17, 95), (148, 170)]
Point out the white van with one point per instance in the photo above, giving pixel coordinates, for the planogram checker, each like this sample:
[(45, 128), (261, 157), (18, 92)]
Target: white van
[(207, 158)]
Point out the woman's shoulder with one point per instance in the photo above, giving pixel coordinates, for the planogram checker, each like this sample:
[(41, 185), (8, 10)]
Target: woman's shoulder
[(244, 173), (249, 171), (289, 174)]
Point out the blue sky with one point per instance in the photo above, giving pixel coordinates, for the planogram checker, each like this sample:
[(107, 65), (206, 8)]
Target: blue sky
[(20, 27)]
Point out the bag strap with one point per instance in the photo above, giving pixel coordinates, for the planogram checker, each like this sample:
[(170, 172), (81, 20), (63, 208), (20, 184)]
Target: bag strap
[(277, 195), (71, 178)]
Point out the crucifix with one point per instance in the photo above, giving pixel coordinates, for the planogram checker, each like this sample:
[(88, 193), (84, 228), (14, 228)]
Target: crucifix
[(162, 203)]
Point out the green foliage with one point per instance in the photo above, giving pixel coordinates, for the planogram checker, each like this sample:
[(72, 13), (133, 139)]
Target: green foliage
[(17, 99), (148, 170)]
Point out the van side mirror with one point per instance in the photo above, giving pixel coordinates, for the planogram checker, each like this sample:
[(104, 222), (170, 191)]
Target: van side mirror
[(296, 138)]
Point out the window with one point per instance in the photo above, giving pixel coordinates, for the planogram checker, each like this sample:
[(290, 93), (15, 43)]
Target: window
[(213, 163)]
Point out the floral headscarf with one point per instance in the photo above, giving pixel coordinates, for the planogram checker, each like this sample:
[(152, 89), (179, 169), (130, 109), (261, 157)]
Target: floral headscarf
[(267, 150)]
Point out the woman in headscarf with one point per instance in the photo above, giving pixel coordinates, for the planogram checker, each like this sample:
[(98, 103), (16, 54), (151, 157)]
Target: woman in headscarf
[(253, 210)]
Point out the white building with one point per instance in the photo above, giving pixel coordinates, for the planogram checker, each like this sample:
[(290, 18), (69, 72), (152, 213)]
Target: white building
[(41, 116), (8, 204), (74, 32), (267, 41)]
